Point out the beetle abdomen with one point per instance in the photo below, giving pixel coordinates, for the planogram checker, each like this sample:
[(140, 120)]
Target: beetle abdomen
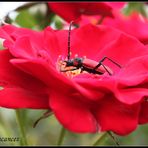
[(91, 64)]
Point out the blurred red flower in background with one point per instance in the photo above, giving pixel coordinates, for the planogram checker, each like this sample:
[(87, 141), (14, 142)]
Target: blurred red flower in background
[(84, 13), (82, 102), (71, 11), (117, 5), (134, 24)]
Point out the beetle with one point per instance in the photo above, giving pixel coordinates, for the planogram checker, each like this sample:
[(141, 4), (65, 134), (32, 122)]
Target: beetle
[(86, 64)]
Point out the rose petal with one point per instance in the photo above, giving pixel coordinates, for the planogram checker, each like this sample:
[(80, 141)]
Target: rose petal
[(89, 46), (114, 116), (12, 33), (131, 95), (20, 98), (96, 84), (134, 24), (131, 80), (143, 116), (117, 5), (72, 113), (51, 43), (72, 11), (20, 90), (49, 76), (135, 68), (120, 52), (23, 48)]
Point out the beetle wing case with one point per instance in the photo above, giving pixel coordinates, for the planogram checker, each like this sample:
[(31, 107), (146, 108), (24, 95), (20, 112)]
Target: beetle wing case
[(91, 64)]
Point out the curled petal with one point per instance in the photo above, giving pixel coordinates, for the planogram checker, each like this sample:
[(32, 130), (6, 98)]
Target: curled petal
[(132, 81), (6, 31), (11, 33)]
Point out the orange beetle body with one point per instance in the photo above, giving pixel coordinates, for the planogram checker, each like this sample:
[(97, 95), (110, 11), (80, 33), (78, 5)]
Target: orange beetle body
[(87, 65), (91, 64)]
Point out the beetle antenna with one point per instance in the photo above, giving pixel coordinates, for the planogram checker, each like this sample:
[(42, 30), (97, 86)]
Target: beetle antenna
[(69, 31)]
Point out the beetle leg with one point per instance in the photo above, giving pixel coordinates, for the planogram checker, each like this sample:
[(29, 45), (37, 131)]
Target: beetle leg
[(100, 63), (102, 60), (82, 69), (106, 69), (45, 115), (68, 70)]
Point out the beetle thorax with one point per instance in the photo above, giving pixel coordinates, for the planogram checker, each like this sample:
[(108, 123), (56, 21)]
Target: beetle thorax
[(77, 62), (64, 66)]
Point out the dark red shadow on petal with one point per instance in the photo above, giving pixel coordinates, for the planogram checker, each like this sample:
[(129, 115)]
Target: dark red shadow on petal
[(143, 116)]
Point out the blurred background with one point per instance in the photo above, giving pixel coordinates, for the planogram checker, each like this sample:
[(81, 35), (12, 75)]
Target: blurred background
[(37, 16)]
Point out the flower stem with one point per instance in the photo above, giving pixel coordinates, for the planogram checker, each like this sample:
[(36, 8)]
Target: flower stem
[(100, 139), (21, 127), (61, 137), (113, 138)]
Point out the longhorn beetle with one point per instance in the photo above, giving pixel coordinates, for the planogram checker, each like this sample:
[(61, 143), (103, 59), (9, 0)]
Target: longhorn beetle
[(86, 64)]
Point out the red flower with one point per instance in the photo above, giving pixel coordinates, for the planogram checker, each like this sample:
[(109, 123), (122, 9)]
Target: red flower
[(134, 24), (71, 11), (117, 5), (82, 102)]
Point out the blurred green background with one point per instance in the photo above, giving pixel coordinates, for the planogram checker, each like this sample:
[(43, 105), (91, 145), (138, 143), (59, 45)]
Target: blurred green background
[(37, 16), (47, 131)]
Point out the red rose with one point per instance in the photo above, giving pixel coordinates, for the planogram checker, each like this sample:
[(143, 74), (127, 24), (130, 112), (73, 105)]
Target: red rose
[(71, 11), (82, 102), (117, 5), (134, 24)]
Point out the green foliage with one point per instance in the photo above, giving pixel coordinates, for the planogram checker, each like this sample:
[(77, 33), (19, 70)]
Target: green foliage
[(1, 45), (58, 22), (25, 19), (135, 6), (34, 18), (47, 131)]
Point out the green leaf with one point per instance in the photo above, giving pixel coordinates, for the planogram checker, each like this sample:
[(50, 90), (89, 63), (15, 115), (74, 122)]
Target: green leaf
[(58, 22), (1, 45), (42, 19), (25, 19), (135, 6)]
